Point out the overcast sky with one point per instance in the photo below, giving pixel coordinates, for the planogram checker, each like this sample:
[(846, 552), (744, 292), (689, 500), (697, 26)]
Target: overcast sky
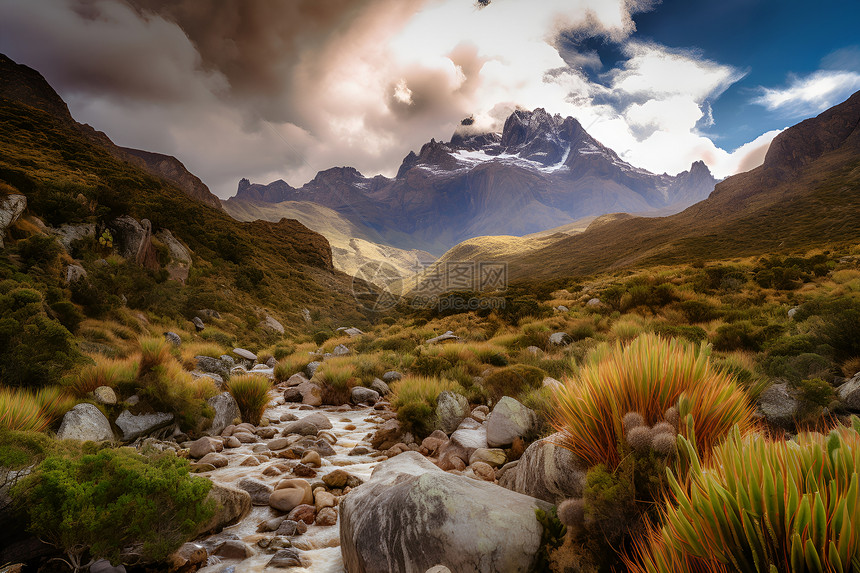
[(269, 89)]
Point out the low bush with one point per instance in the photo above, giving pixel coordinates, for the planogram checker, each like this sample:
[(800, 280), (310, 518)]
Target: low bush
[(513, 381), (114, 504), (251, 393), (292, 364)]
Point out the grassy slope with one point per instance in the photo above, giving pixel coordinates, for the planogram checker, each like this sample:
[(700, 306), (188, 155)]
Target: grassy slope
[(58, 168)]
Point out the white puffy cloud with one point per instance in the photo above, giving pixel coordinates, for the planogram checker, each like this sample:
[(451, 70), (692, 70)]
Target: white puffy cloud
[(810, 94)]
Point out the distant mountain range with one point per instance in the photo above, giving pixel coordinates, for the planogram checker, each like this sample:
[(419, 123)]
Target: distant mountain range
[(805, 195), (542, 171)]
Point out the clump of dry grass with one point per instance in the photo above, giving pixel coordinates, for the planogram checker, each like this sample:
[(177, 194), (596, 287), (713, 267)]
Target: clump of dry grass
[(648, 376), (251, 393)]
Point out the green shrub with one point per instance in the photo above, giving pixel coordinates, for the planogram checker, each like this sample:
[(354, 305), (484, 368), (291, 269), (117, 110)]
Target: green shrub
[(34, 350), (813, 395), (796, 368), (322, 336), (114, 502), (698, 311), (738, 336), (414, 398), (513, 381), (691, 333)]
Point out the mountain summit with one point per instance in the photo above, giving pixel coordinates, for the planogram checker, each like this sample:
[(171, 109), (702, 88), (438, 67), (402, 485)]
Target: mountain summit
[(545, 169)]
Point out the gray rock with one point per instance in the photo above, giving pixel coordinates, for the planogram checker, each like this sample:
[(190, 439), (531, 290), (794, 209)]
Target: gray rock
[(173, 338), (209, 313), (246, 354), (549, 382), (214, 365), (451, 409), (285, 558), (271, 362), (296, 379), (534, 350), (292, 394), (11, 207), (311, 368), (226, 410), (306, 315), (792, 312), (258, 490), (104, 566), (779, 406), (341, 350), (562, 308), (352, 332), (198, 323), (559, 339), (410, 503), (215, 378), (547, 471), (362, 395), (74, 273), (228, 361), (141, 425), (311, 393), (232, 505), (391, 376), (85, 423), (849, 393), (301, 428), (380, 387), (593, 303), (319, 420), (509, 420), (68, 234), (270, 323), (179, 266), (443, 338), (105, 395), (133, 239)]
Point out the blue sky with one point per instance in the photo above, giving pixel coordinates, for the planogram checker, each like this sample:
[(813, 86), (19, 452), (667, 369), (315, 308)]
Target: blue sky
[(772, 40)]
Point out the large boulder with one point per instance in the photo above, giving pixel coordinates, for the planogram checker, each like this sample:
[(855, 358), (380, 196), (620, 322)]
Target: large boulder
[(411, 516), (849, 393), (380, 386), (451, 409), (180, 257), (547, 471), (778, 406), (85, 423), (11, 207), (214, 365), (68, 234), (270, 323), (319, 420), (258, 490), (226, 410), (133, 427), (133, 240), (509, 420), (232, 505)]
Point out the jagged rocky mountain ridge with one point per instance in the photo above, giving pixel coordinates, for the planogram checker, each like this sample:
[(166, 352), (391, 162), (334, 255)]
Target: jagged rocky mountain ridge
[(545, 169)]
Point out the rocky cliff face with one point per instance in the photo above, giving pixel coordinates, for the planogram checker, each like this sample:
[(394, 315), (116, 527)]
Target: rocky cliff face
[(23, 84), (542, 171)]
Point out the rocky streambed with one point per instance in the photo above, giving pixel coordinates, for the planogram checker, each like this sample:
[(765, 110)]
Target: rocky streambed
[(313, 454)]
